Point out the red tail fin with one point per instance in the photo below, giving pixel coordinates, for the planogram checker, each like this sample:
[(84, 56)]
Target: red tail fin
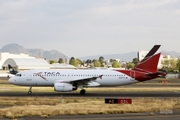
[(150, 61)]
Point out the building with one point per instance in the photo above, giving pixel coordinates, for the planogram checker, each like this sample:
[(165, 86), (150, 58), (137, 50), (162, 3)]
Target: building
[(62, 66), (4, 56), (26, 64)]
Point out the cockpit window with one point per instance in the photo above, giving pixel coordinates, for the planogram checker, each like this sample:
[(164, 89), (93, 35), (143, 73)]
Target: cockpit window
[(18, 75)]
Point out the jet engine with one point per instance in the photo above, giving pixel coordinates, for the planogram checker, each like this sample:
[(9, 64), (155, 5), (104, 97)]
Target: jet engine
[(63, 87)]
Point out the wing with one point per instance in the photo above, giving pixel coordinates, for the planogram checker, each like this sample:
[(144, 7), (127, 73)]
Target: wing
[(88, 81)]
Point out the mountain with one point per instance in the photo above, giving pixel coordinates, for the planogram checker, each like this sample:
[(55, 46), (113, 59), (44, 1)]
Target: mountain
[(16, 49), (55, 55), (128, 57), (171, 53), (124, 57)]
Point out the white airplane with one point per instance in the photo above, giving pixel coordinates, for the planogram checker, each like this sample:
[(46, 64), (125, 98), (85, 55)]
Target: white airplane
[(70, 80)]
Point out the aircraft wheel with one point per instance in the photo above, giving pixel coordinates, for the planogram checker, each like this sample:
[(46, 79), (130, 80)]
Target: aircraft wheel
[(29, 92), (83, 91)]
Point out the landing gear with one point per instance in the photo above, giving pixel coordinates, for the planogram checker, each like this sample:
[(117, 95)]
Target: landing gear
[(29, 92), (75, 86), (83, 91)]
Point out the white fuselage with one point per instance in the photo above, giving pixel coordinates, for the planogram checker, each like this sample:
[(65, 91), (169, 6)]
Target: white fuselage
[(49, 77)]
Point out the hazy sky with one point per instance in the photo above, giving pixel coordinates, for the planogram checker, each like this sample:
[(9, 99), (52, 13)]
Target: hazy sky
[(91, 27)]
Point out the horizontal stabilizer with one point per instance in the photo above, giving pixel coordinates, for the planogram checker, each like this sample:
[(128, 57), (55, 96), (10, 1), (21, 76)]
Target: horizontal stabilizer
[(158, 73)]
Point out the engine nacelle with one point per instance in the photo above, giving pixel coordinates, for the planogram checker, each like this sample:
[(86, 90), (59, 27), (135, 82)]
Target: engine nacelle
[(63, 87)]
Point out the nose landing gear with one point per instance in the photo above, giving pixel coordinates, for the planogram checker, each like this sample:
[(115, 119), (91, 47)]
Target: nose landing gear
[(30, 92)]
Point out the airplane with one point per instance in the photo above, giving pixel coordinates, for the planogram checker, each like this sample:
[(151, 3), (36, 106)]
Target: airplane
[(71, 80), (11, 73), (11, 70)]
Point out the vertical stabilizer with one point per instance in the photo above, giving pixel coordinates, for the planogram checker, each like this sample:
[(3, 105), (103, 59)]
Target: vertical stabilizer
[(150, 61), (11, 70)]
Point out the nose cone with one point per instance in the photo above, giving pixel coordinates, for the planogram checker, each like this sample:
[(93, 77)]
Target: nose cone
[(11, 80)]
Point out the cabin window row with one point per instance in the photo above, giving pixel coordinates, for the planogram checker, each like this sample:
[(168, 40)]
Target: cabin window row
[(79, 75)]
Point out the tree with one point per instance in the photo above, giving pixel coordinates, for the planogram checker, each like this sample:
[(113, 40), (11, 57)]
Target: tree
[(165, 65), (96, 63), (101, 60), (74, 62), (173, 64), (71, 59), (169, 65), (80, 62), (52, 61), (61, 60), (88, 61), (178, 65), (115, 64), (130, 65), (111, 60), (135, 61)]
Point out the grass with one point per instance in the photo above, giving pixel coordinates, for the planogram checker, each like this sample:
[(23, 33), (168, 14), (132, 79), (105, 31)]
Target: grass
[(12, 107), (45, 107)]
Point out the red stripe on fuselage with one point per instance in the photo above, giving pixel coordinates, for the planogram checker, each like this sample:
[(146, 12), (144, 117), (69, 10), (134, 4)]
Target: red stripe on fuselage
[(138, 75)]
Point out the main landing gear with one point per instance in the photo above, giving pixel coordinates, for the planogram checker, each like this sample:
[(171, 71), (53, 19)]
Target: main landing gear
[(83, 91), (30, 92)]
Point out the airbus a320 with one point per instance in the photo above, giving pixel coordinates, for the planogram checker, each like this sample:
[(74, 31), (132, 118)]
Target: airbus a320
[(71, 80)]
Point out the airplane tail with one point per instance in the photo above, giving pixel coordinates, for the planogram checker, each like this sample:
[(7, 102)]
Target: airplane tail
[(150, 61), (11, 70)]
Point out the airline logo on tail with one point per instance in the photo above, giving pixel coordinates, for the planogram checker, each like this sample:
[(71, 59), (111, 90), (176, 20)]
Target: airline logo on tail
[(11, 70)]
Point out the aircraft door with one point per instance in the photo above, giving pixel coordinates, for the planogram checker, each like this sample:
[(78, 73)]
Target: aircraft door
[(29, 78), (133, 75)]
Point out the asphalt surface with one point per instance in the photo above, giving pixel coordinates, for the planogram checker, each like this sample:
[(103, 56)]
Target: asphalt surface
[(168, 94), (128, 116)]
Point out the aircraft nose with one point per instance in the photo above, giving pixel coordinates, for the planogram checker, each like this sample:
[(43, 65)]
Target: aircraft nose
[(11, 80)]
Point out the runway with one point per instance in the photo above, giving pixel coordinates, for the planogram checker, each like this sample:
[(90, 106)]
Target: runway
[(127, 116), (169, 94)]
